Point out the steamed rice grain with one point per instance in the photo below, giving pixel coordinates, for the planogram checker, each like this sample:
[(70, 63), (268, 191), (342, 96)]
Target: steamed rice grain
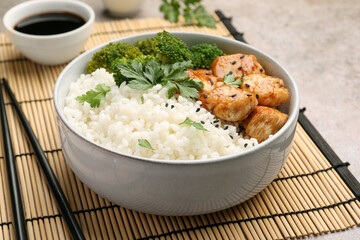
[(129, 115)]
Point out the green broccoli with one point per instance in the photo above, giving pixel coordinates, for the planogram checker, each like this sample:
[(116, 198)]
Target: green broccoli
[(147, 46), (203, 55), (118, 77), (111, 52), (166, 47)]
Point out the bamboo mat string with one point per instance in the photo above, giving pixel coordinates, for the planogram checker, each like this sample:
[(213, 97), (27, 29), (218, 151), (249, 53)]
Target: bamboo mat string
[(307, 197)]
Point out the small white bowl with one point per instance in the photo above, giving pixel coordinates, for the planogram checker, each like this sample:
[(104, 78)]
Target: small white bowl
[(177, 187), (49, 49)]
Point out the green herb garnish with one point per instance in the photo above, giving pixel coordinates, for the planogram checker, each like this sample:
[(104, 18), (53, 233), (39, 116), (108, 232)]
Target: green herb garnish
[(94, 98), (145, 143), (192, 10), (171, 76), (142, 99), (230, 80), (196, 125)]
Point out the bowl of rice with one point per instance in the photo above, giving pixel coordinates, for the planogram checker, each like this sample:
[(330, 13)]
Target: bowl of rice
[(184, 171)]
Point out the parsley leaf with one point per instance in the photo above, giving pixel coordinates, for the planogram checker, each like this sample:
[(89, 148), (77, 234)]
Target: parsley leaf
[(230, 80), (94, 98), (189, 87), (145, 143), (170, 10), (171, 76), (203, 17), (132, 71), (189, 15), (196, 125), (153, 71), (176, 71), (171, 89), (192, 11), (140, 85)]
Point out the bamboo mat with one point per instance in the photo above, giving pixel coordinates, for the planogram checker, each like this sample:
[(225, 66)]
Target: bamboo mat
[(309, 196)]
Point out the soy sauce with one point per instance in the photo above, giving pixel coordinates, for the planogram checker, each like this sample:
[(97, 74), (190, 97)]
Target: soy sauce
[(50, 23)]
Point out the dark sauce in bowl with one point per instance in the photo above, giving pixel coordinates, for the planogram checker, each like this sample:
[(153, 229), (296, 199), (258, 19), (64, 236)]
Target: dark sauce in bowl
[(50, 23)]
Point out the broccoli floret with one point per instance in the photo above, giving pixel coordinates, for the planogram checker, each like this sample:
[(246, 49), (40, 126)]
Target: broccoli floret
[(147, 46), (111, 52), (203, 55), (166, 48), (118, 77), (170, 49)]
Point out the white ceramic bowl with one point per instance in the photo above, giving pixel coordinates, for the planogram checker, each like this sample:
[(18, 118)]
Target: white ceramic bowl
[(49, 49), (177, 187)]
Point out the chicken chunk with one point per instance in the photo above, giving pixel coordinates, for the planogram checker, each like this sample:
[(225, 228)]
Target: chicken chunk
[(228, 103), (263, 122), (236, 64), (269, 90), (207, 78)]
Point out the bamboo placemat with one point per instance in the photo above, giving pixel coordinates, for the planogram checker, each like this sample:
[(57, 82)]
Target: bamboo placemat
[(313, 194)]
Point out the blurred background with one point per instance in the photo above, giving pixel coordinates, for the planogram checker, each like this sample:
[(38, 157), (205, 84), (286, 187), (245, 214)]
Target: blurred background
[(317, 41)]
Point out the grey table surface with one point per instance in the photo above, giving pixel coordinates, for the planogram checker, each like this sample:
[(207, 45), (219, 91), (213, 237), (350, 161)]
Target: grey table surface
[(318, 41)]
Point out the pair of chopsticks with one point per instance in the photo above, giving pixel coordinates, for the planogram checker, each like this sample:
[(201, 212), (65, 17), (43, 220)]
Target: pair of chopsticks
[(17, 207)]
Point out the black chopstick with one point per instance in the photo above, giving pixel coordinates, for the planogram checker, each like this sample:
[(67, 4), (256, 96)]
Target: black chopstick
[(16, 202), (59, 195)]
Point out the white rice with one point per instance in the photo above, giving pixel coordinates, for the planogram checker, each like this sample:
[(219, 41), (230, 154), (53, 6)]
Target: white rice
[(123, 119)]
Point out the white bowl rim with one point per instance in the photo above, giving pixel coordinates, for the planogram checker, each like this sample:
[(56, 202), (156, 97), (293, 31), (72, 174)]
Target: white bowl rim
[(84, 5), (292, 117)]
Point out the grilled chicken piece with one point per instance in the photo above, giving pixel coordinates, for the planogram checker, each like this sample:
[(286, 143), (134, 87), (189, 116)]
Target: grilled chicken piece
[(228, 103), (207, 78), (269, 90), (263, 122), (236, 64)]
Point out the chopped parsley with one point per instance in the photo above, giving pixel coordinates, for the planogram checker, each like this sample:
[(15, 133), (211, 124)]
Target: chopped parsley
[(145, 143), (94, 97), (191, 10), (196, 125), (171, 76), (230, 80)]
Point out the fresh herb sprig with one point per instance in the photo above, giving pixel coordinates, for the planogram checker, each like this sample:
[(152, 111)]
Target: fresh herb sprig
[(145, 144), (94, 97), (196, 125), (230, 80), (171, 76), (192, 11)]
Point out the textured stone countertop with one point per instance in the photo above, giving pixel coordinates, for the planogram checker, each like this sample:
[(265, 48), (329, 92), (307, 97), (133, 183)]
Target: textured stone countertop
[(318, 42)]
